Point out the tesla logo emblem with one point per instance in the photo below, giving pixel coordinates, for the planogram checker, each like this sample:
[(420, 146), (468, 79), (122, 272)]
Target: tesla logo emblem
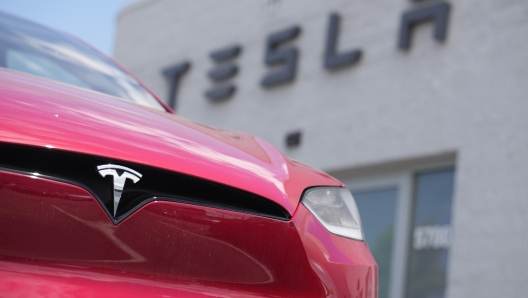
[(119, 181)]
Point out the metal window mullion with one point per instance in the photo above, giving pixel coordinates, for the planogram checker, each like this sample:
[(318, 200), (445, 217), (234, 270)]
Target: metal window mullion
[(402, 236)]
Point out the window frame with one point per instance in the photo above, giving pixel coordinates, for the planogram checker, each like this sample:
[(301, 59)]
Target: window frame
[(402, 175)]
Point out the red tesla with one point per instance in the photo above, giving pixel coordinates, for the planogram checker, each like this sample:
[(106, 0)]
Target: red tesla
[(105, 192)]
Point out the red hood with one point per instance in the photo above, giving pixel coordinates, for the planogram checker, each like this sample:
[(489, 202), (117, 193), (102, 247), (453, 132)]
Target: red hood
[(43, 113)]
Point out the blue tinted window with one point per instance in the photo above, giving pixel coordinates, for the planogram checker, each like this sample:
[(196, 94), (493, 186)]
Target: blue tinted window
[(431, 234), (378, 212), (35, 49), (40, 67)]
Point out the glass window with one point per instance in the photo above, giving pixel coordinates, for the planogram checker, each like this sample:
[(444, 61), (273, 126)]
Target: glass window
[(34, 49), (35, 65), (431, 234), (378, 213), (406, 218)]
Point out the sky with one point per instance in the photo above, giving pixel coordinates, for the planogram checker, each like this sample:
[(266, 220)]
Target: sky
[(93, 21)]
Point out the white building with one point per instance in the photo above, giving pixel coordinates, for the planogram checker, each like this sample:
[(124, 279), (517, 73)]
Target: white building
[(431, 136)]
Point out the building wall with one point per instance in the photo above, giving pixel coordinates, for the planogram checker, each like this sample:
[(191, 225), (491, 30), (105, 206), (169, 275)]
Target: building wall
[(466, 96)]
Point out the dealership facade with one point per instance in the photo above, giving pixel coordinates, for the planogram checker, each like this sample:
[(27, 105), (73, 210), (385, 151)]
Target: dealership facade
[(420, 107)]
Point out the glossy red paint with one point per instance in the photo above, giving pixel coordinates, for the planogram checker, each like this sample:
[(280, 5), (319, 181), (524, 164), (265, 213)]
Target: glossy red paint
[(43, 113), (57, 239), (343, 265)]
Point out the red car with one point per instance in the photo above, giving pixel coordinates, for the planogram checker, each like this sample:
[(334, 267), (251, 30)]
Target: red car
[(105, 192)]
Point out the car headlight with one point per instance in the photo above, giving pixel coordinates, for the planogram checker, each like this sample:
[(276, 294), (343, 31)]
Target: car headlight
[(336, 209)]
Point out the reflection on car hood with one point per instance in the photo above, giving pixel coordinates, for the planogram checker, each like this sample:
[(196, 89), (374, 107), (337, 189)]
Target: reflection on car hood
[(43, 113)]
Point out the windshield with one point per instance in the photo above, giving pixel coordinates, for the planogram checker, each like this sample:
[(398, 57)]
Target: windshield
[(37, 50)]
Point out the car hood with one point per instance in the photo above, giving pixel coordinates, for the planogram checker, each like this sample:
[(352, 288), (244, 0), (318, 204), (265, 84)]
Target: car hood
[(43, 113)]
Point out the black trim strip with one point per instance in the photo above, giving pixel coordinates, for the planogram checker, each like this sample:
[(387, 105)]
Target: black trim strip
[(155, 184)]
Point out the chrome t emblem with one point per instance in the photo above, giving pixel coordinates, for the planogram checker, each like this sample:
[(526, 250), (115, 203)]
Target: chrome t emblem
[(119, 181)]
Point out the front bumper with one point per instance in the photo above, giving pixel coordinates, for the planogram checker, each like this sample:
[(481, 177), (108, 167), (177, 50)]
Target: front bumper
[(344, 266), (58, 240)]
